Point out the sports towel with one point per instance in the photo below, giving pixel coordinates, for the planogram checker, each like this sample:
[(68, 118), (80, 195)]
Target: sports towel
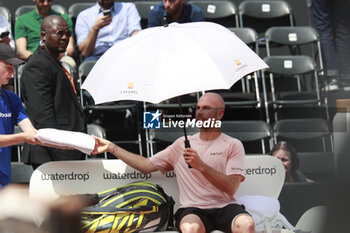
[(76, 140)]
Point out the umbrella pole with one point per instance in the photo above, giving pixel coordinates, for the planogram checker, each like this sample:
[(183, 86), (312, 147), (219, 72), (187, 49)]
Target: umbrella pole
[(187, 142)]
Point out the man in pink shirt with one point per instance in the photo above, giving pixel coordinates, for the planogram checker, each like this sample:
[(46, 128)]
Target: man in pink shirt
[(207, 189)]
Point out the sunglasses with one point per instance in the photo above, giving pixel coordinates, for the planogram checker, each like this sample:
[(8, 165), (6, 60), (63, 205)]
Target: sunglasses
[(42, 1), (4, 34), (61, 34)]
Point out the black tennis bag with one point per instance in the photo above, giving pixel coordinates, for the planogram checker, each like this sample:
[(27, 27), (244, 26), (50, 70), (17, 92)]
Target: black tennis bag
[(135, 207)]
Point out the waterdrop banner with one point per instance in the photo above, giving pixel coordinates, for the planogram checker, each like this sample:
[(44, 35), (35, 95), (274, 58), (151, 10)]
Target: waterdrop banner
[(264, 176)]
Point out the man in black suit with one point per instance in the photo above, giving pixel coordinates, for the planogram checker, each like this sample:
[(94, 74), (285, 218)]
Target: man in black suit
[(50, 94)]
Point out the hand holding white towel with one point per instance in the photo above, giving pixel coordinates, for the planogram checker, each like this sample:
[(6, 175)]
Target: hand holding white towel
[(76, 140)]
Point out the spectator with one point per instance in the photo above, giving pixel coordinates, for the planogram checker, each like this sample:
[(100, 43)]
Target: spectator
[(11, 113), (207, 189), (27, 30), (6, 37), (332, 21), (50, 93), (174, 11), (5, 32), (18, 211), (288, 155), (106, 23)]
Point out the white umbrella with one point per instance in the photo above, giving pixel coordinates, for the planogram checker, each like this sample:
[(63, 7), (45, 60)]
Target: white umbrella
[(163, 62)]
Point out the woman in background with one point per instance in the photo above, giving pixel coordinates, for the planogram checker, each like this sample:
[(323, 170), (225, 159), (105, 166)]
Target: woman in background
[(286, 152)]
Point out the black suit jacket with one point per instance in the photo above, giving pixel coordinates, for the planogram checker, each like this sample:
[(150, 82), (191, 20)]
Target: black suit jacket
[(51, 103)]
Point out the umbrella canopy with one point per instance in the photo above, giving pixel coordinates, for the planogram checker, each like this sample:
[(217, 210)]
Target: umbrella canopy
[(163, 62)]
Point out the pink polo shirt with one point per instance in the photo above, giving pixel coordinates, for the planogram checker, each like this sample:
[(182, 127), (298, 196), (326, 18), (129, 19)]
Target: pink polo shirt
[(225, 154)]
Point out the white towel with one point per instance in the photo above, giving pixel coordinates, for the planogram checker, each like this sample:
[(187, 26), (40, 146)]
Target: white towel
[(265, 210), (76, 140)]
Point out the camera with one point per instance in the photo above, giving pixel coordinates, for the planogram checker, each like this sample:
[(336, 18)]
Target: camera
[(107, 12)]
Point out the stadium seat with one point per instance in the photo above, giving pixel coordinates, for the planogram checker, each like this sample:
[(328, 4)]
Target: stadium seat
[(73, 12), (76, 8), (249, 36), (256, 136), (312, 220), (245, 95), (144, 7), (296, 198), (297, 39), (288, 69), (318, 166), (223, 12), (83, 71), (17, 80), (21, 173), (307, 134), (263, 14)]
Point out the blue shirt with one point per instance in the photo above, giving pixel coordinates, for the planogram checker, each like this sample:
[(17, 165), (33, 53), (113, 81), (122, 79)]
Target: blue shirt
[(11, 113), (125, 20), (190, 13)]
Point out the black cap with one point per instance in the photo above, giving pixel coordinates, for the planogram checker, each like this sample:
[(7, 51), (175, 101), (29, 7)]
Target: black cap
[(8, 55)]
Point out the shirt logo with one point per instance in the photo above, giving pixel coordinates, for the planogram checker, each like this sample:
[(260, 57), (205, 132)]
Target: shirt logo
[(5, 114), (216, 153)]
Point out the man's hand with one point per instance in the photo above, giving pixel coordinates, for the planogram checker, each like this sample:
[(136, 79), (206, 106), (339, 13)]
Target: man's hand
[(87, 47), (21, 46), (102, 145), (192, 158), (102, 21), (226, 183), (30, 137)]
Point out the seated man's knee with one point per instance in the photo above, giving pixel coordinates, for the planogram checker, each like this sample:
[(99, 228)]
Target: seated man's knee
[(190, 228), (243, 223), (191, 224)]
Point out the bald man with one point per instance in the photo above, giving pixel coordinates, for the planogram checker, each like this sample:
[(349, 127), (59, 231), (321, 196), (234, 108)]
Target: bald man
[(207, 189), (50, 93)]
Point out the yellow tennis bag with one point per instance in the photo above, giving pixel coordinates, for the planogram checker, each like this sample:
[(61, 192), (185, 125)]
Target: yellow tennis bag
[(135, 207)]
